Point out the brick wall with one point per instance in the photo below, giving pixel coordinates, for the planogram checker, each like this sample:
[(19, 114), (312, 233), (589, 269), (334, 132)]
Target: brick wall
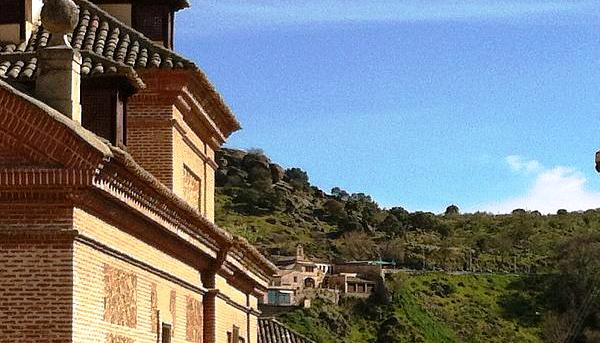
[(150, 135), (35, 293), (35, 274), (228, 315), (190, 152), (155, 299), (165, 151)]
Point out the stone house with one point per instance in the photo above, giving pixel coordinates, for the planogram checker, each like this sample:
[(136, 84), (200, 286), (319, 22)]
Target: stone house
[(299, 279), (107, 141), (298, 271)]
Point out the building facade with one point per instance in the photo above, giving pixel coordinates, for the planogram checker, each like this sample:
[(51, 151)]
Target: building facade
[(107, 141)]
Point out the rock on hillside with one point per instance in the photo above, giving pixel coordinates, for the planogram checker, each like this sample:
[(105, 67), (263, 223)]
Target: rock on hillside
[(259, 186)]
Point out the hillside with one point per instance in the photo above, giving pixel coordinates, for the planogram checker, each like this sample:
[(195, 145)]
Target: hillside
[(432, 307), (276, 209), (520, 277)]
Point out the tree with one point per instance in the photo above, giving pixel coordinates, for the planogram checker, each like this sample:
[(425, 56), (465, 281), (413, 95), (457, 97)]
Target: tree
[(391, 226), (357, 245), (340, 194), (400, 213), (452, 210), (575, 293), (298, 178)]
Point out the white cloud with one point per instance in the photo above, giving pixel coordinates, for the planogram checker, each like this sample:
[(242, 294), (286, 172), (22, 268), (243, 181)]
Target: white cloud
[(552, 189), (518, 164)]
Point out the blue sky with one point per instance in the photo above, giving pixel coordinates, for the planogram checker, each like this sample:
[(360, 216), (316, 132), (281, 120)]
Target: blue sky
[(491, 105)]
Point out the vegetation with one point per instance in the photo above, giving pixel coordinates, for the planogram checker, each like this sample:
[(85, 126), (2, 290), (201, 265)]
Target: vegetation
[(519, 277)]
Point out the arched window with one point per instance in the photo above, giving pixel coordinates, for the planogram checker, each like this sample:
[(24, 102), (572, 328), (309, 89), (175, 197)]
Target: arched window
[(309, 282)]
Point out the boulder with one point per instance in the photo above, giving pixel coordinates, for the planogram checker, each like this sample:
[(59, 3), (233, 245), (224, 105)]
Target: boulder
[(277, 172)]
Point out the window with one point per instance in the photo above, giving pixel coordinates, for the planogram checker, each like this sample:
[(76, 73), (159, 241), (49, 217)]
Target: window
[(13, 12), (309, 269), (295, 279), (103, 113), (166, 333), (234, 336), (154, 21)]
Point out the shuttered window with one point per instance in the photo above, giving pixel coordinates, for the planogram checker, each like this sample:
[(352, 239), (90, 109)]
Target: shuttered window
[(103, 113), (153, 21), (12, 11), (166, 333)]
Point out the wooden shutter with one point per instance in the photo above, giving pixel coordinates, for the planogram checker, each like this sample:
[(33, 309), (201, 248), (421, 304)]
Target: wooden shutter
[(236, 334), (98, 112), (152, 20), (166, 333), (12, 12)]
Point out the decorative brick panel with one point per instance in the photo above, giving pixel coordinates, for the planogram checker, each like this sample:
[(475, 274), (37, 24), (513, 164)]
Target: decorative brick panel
[(194, 320), (173, 310), (120, 303), (154, 308), (111, 338), (191, 188)]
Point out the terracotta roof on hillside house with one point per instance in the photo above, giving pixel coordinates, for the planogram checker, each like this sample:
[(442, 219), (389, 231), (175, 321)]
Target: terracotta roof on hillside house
[(272, 331), (108, 47)]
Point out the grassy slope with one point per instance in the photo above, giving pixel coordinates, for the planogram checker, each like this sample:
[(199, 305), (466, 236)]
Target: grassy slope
[(432, 307), (474, 306), (277, 230)]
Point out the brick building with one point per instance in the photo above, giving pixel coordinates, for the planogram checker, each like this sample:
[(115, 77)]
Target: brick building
[(107, 141)]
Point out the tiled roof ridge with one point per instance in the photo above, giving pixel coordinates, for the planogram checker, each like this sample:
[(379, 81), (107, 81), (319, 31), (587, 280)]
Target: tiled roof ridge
[(99, 32), (273, 331), (123, 29), (183, 63), (124, 69)]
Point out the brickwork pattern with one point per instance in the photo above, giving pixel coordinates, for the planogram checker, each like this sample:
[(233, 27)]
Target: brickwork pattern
[(226, 317), (191, 188), (35, 293), (120, 300), (194, 320), (153, 308), (89, 293), (110, 338), (42, 137), (150, 135), (173, 310)]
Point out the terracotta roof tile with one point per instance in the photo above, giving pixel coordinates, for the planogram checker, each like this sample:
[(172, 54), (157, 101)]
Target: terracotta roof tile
[(272, 331), (101, 35)]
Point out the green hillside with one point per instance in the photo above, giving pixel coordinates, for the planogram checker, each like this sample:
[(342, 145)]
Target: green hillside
[(432, 307), (520, 277)]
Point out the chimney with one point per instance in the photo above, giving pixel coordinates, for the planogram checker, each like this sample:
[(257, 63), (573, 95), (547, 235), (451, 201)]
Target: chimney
[(58, 82)]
